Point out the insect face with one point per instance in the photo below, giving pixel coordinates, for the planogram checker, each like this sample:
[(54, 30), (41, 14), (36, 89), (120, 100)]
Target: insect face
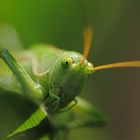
[(68, 75)]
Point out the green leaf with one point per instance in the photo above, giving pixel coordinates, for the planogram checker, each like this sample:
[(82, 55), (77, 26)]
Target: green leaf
[(33, 121)]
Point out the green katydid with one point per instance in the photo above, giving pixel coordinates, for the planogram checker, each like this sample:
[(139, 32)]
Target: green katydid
[(53, 78)]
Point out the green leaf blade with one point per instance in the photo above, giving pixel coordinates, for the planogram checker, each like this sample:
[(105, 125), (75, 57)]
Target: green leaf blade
[(34, 120)]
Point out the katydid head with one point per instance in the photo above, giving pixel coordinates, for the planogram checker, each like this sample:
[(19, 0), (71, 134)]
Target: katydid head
[(72, 61), (67, 76)]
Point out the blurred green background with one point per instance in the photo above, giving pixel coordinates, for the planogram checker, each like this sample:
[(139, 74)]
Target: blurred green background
[(116, 26)]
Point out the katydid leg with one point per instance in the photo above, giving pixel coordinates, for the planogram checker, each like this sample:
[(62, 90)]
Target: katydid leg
[(28, 86), (52, 103)]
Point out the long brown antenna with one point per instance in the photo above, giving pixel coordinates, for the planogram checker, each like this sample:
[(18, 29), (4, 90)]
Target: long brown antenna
[(128, 64), (88, 35)]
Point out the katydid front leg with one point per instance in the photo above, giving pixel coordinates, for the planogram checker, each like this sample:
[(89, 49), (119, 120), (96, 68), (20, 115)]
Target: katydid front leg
[(52, 103), (28, 86)]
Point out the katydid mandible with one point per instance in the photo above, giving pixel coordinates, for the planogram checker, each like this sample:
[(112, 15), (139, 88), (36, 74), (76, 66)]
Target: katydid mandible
[(53, 78)]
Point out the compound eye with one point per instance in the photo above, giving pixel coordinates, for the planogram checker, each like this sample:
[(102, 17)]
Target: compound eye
[(67, 61)]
